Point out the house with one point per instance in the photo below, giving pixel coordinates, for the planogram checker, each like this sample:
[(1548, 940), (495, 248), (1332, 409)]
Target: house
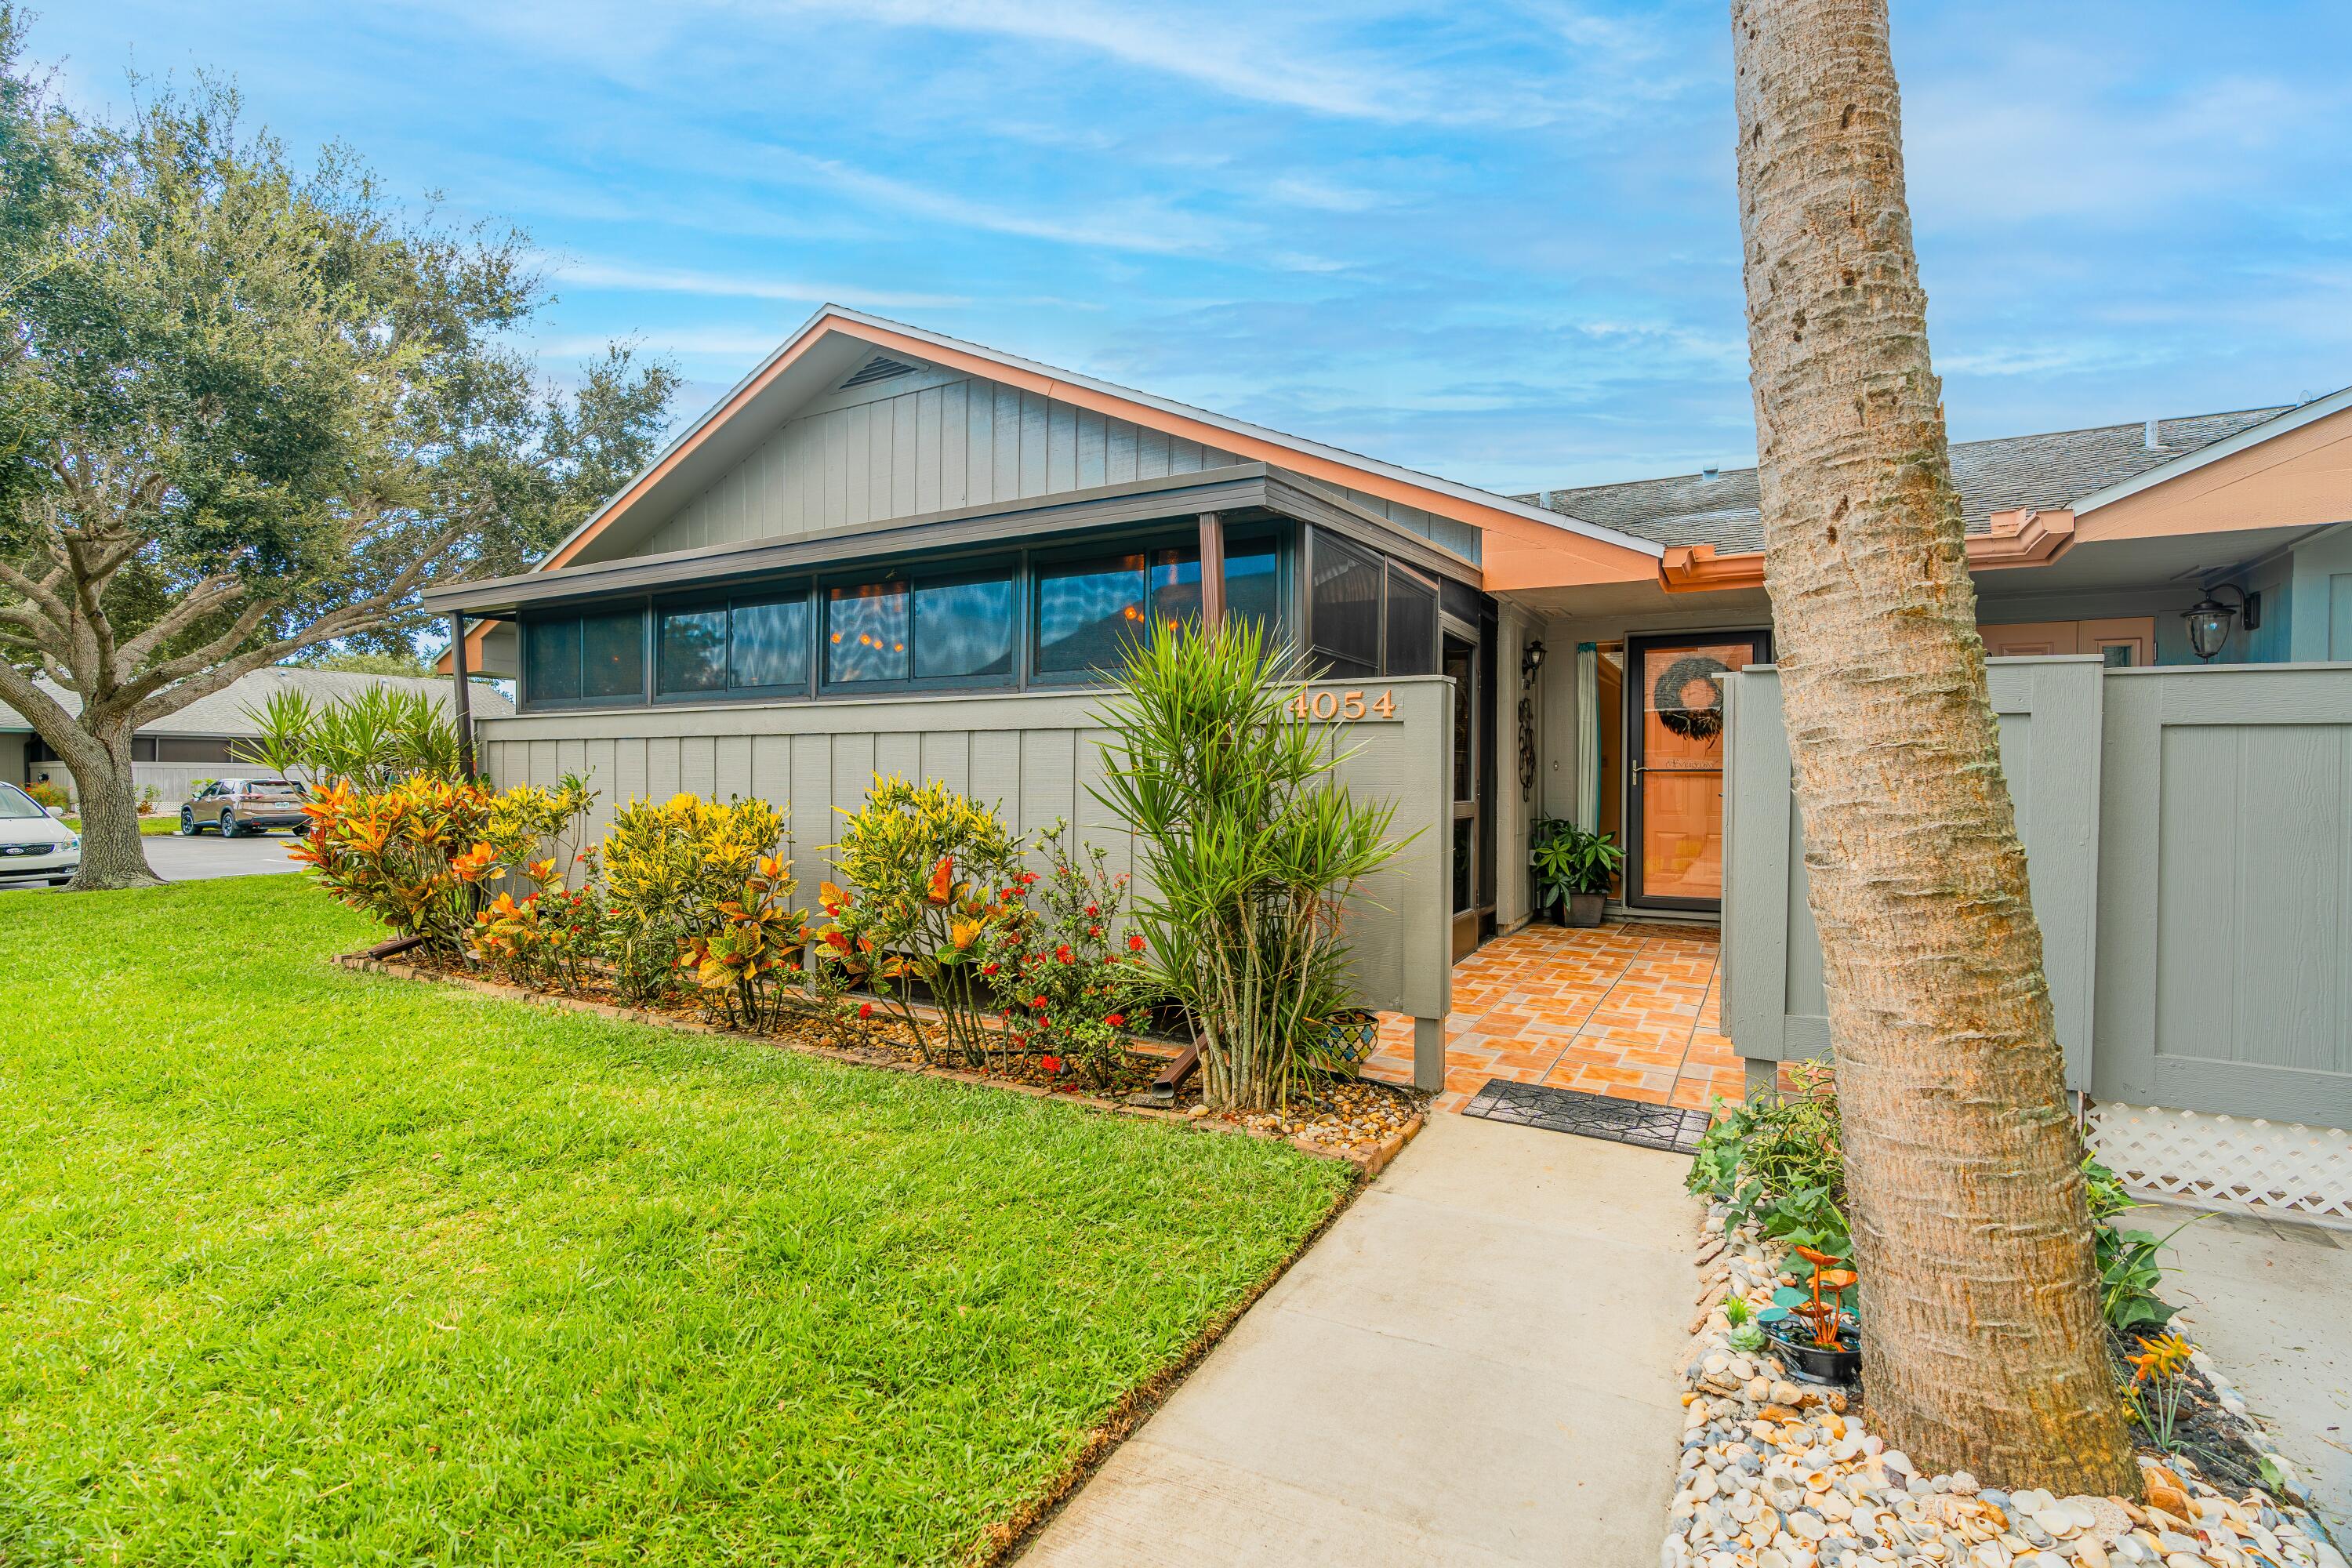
[(199, 742), (890, 550)]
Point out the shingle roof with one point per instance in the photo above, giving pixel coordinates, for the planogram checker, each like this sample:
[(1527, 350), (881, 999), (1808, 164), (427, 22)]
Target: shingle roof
[(222, 713), (2046, 471)]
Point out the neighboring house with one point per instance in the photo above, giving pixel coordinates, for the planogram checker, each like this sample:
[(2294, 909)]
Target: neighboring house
[(890, 550), (196, 743)]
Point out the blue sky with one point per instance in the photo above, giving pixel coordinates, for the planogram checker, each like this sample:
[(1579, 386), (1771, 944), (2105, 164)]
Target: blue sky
[(1494, 241)]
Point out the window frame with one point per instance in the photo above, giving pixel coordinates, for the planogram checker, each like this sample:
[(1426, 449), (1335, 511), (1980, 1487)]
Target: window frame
[(1285, 537), (578, 615)]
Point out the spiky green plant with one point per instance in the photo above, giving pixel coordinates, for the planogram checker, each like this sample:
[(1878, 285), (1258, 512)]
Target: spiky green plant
[(1249, 848)]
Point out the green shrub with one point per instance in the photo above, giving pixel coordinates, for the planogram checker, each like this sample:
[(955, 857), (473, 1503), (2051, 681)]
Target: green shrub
[(46, 793), (1779, 1160), (1250, 844), (415, 855), (370, 741), (934, 880), (1065, 979), (667, 867)]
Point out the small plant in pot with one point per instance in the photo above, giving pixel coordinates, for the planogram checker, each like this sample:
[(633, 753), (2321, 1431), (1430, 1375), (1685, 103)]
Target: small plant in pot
[(1573, 867), (1817, 1334)]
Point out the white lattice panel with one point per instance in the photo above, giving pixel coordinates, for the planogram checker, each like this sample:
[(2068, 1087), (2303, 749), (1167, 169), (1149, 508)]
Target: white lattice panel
[(2230, 1160)]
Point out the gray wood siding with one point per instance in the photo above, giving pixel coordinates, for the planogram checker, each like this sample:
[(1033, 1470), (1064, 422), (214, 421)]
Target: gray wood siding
[(2189, 833), (920, 445), (1036, 758), (2225, 941), (1774, 1004)]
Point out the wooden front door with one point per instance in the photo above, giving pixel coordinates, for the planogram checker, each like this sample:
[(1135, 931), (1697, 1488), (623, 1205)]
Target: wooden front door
[(1673, 734)]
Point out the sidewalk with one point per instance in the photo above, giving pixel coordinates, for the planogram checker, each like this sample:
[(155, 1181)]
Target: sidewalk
[(1476, 1366)]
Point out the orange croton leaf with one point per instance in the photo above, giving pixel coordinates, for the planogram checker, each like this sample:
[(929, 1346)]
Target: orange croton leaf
[(832, 900), (942, 879), (542, 869), (772, 867)]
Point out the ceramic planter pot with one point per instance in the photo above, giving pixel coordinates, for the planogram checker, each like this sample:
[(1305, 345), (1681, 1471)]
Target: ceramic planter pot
[(1584, 909), (1349, 1037), (1792, 1342)]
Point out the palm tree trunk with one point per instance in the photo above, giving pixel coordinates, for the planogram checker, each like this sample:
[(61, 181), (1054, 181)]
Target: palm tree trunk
[(1984, 1348)]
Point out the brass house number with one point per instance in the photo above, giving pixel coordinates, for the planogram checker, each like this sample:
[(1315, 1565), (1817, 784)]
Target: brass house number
[(1328, 705)]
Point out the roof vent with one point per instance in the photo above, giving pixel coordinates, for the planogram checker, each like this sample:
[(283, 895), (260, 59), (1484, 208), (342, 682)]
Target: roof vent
[(1709, 472), (2152, 441), (881, 367)]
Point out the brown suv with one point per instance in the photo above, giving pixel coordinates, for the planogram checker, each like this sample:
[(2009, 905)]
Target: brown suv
[(243, 805)]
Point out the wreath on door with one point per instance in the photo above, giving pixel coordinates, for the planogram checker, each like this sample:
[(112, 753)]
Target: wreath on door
[(1670, 696)]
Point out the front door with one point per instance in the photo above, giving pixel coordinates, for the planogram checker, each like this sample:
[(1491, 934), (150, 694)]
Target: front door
[(1674, 745)]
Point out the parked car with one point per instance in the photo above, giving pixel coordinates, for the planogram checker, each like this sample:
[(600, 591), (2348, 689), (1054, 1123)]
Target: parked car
[(34, 845), (237, 806)]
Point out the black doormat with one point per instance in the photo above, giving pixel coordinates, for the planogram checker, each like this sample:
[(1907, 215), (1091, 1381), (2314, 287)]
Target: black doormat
[(1589, 1115)]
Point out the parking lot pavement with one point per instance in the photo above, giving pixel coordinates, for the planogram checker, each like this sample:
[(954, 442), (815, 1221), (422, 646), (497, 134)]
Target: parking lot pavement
[(177, 859)]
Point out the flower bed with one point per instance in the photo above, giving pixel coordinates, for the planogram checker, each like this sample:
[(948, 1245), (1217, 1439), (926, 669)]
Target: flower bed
[(1773, 1474), (1777, 1472), (943, 950)]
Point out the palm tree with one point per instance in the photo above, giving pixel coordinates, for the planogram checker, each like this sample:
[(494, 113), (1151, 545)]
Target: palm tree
[(1985, 1348)]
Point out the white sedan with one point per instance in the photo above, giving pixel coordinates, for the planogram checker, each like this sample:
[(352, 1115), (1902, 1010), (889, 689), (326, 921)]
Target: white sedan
[(35, 846)]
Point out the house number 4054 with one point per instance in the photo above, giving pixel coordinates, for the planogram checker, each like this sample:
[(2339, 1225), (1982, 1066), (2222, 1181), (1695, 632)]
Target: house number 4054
[(1327, 704)]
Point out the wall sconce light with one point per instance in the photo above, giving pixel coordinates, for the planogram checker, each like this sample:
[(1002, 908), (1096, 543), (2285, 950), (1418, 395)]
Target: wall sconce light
[(2208, 619), (1531, 659)]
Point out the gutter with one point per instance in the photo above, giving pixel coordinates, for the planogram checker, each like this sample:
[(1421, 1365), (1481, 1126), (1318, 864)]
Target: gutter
[(2020, 537)]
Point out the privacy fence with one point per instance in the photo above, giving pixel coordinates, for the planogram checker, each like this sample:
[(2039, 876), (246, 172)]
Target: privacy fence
[(2188, 839), (1036, 758)]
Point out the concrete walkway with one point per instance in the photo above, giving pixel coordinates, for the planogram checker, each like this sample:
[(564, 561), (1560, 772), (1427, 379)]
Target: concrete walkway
[(1476, 1366), (2269, 1301)]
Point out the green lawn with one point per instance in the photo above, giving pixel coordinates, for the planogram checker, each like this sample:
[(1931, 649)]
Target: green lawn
[(297, 1264), (149, 826)]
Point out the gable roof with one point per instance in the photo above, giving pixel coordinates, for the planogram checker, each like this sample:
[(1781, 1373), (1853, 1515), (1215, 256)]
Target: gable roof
[(833, 341), (2054, 470), (222, 713)]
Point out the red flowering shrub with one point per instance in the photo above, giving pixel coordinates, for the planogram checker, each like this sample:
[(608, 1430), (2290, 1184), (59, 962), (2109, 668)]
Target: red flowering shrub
[(1060, 980)]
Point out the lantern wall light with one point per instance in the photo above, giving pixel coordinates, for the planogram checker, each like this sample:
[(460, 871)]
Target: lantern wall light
[(2208, 620), (1531, 659)]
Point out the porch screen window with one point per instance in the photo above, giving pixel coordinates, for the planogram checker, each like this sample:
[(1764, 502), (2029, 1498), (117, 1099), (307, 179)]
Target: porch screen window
[(1344, 608), (551, 660), (1412, 625), (613, 655), (963, 629), (770, 644), (1087, 610), (693, 652), (866, 634)]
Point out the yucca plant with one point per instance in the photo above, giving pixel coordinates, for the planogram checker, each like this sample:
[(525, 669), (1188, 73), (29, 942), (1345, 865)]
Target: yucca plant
[(1249, 848)]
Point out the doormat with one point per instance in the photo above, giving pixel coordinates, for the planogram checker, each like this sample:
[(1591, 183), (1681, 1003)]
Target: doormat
[(1589, 1115)]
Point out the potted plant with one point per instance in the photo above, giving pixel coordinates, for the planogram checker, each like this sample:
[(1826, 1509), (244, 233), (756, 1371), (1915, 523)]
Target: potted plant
[(1819, 1338), (1573, 867)]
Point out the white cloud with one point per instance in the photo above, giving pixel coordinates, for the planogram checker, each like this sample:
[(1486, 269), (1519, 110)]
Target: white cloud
[(595, 274)]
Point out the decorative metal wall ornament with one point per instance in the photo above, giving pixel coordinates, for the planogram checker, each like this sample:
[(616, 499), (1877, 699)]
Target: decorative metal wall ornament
[(1670, 698), (1527, 748)]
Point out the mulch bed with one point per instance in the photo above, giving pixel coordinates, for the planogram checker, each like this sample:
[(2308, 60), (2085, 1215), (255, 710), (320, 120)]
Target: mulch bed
[(1363, 1122)]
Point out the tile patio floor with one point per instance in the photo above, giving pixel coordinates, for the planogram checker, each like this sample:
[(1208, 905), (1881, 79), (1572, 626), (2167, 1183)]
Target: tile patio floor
[(1629, 1011)]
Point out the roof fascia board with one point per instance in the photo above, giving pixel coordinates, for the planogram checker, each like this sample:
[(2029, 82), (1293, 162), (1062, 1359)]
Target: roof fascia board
[(2188, 462)]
